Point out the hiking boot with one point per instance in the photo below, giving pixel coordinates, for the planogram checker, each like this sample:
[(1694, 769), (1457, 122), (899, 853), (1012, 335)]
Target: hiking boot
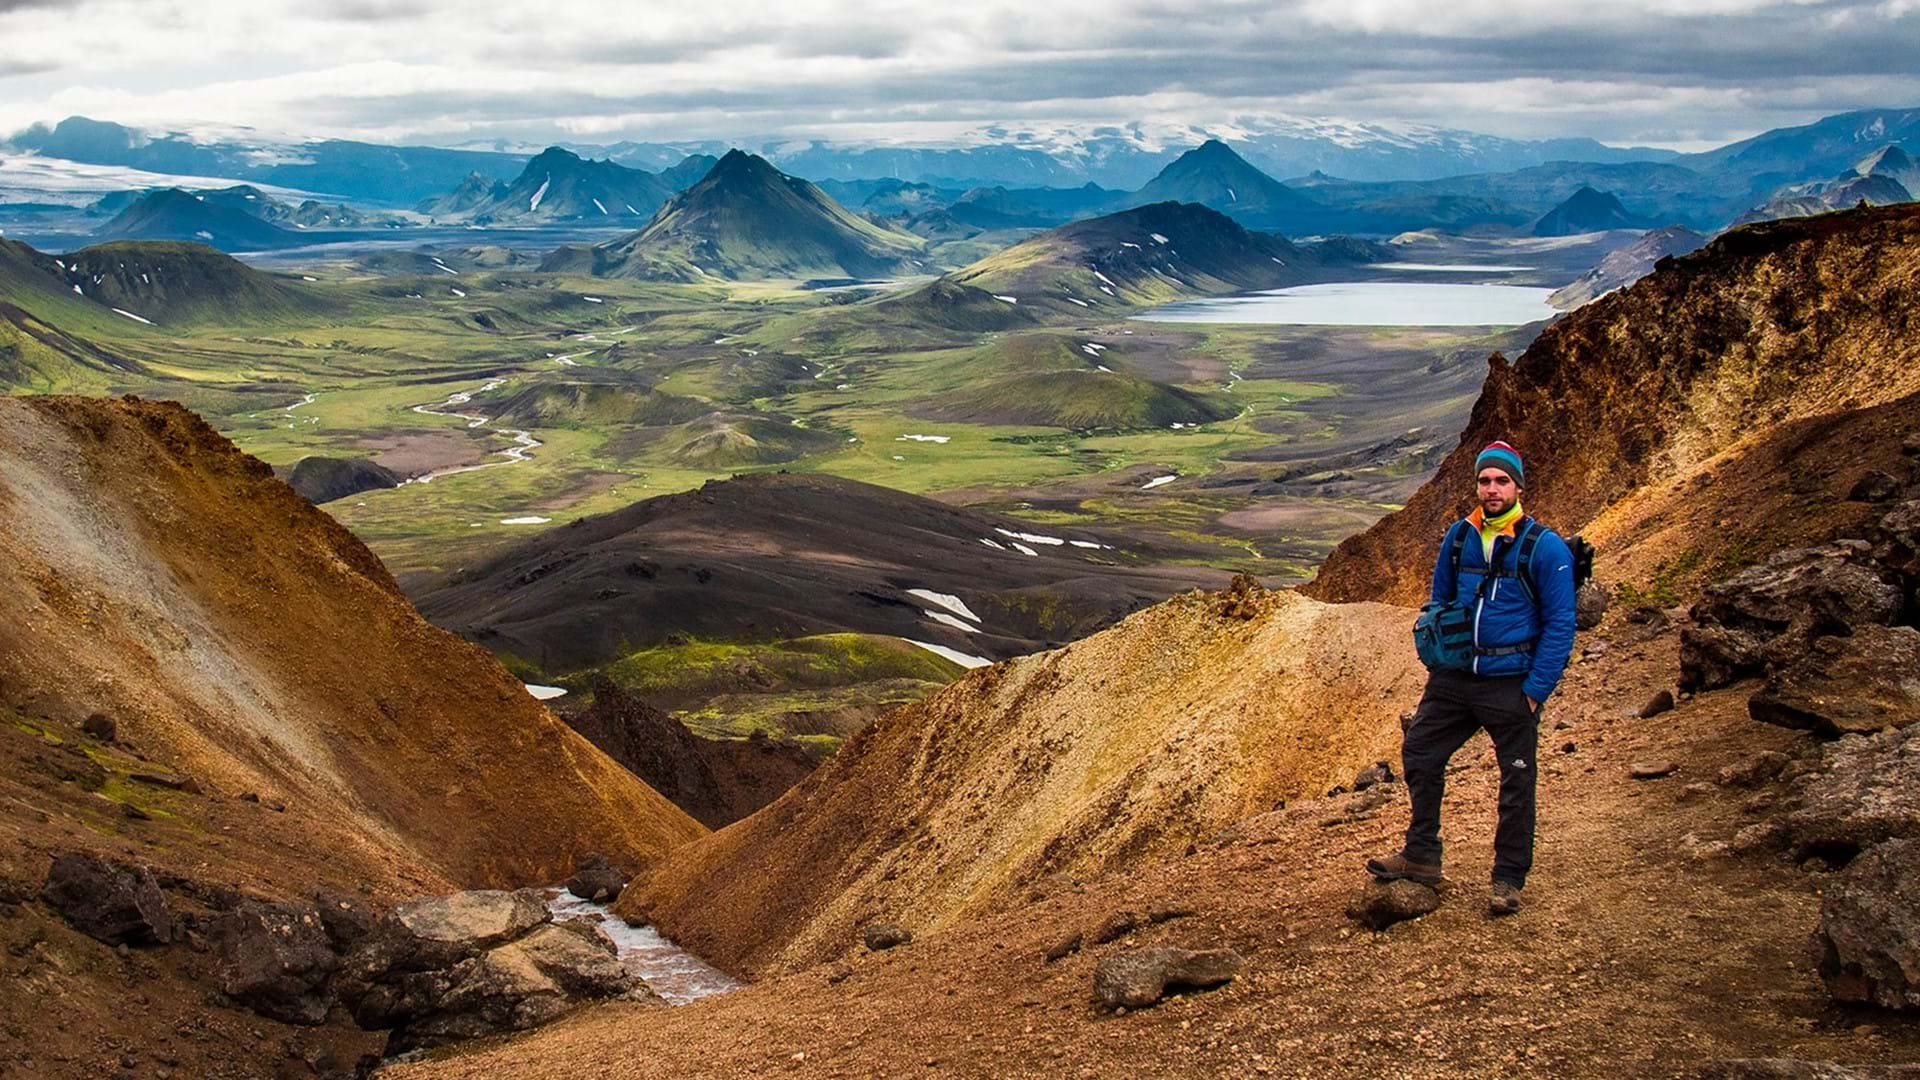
[(1505, 899), (1401, 868)]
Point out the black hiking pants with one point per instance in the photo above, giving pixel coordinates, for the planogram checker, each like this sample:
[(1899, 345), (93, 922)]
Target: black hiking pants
[(1455, 705)]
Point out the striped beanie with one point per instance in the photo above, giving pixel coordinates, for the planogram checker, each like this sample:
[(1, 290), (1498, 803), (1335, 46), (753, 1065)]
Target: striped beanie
[(1503, 457)]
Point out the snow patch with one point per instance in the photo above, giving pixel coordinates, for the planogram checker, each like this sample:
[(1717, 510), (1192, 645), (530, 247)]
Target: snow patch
[(954, 655), (1006, 299), (597, 206), (1031, 538), (946, 600), (541, 194), (1158, 481), (945, 619), (593, 300), (131, 315), (545, 693), (1157, 238), (921, 438), (529, 519)]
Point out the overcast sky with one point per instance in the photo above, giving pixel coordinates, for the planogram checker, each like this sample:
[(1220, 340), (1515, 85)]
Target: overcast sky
[(1682, 73)]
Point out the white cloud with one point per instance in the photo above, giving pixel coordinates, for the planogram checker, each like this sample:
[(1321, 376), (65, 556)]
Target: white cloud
[(1673, 70)]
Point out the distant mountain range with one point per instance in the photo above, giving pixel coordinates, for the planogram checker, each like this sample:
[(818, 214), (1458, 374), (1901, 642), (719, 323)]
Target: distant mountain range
[(559, 185)]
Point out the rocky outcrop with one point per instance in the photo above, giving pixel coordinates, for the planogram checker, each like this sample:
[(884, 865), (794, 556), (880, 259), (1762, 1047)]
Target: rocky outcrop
[(1864, 682), (277, 960), (1870, 929), (1795, 1069), (1137, 978), (1865, 791), (324, 479), (109, 901), (1767, 615)]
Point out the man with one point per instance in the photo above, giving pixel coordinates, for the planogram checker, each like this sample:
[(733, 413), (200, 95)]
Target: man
[(1515, 577)]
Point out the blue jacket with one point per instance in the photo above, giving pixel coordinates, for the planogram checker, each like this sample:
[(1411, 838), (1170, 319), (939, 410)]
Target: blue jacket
[(1506, 616)]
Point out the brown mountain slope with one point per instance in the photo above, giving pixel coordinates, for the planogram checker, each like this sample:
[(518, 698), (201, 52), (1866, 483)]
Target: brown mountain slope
[(1124, 747), (1783, 322), (151, 572), (1645, 950)]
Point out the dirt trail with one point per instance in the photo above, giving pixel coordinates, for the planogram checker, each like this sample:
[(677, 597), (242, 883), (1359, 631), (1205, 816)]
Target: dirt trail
[(1640, 951)]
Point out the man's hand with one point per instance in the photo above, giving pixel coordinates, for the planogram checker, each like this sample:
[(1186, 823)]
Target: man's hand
[(1532, 704)]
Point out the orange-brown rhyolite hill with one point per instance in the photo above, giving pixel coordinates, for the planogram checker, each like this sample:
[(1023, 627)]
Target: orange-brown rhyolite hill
[(1106, 754), (1752, 349), (152, 573)]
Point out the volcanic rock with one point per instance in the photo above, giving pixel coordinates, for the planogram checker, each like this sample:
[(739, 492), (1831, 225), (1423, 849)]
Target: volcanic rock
[(882, 936), (1870, 929), (1380, 772), (108, 901), (1844, 685), (1756, 770), (1795, 1069), (1765, 615), (515, 986), (1875, 486), (276, 959), (1139, 977), (473, 920), (100, 726), (1384, 903), (596, 879), (1865, 791), (1660, 702), (1652, 770)]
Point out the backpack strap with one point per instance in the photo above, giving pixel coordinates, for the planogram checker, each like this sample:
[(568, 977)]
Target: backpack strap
[(1529, 539), (1456, 544)]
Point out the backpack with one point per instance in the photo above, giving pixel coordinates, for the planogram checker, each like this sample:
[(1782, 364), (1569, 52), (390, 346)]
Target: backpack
[(1443, 632)]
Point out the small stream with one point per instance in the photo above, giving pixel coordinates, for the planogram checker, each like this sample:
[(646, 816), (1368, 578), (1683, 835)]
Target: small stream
[(524, 442), (675, 974)]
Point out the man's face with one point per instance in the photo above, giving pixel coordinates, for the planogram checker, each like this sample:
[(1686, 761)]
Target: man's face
[(1497, 491)]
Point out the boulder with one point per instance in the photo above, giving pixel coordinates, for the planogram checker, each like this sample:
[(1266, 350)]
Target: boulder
[(348, 919), (512, 987), (1652, 770), (1876, 486), (1659, 703), (1795, 1069), (1865, 791), (1379, 772), (882, 936), (1897, 539), (108, 901), (473, 920), (596, 879), (1756, 770), (1765, 615), (276, 959), (1844, 685), (1870, 929), (100, 726), (1136, 978), (1590, 605), (1382, 904)]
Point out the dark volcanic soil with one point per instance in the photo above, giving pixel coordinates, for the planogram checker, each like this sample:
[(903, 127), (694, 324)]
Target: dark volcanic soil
[(774, 556)]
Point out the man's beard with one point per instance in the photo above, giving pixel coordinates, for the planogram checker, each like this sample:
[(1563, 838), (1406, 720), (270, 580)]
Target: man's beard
[(1495, 506)]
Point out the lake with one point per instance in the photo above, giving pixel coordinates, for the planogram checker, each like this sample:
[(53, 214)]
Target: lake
[(1368, 303)]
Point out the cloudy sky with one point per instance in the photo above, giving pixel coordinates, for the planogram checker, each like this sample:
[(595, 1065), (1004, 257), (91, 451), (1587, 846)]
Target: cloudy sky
[(1680, 73)]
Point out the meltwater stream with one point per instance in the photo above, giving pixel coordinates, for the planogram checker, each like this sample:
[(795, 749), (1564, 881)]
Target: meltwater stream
[(675, 974)]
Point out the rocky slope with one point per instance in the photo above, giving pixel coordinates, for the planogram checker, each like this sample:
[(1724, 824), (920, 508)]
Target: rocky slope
[(1625, 265), (173, 214), (1586, 211), (156, 576), (1117, 750), (1748, 351), (1215, 177)]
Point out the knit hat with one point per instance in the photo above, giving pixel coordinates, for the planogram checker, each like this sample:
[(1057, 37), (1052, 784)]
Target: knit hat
[(1503, 457)]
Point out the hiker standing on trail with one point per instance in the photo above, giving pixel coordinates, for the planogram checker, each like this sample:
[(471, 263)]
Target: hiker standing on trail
[(1495, 637)]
